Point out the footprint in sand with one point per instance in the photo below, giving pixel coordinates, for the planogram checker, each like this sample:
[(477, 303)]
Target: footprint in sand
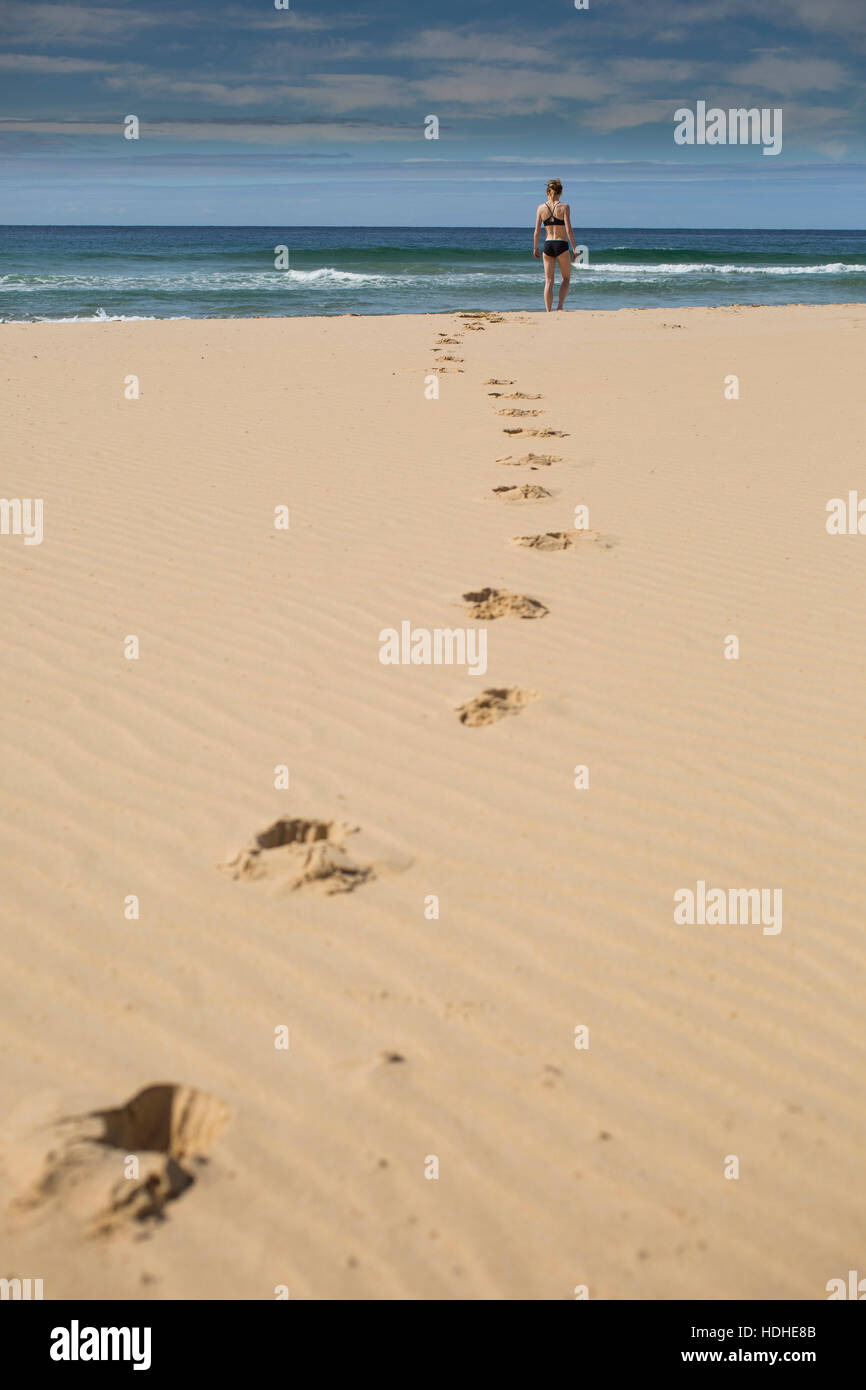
[(302, 853), (511, 410), (480, 327), (521, 492), (515, 396), (76, 1163), (436, 368), (531, 460), (447, 342), (447, 357), (492, 705), (488, 604), (492, 381), (551, 540), (537, 434), (562, 540)]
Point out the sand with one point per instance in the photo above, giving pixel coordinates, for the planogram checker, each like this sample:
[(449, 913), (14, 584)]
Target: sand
[(417, 1041)]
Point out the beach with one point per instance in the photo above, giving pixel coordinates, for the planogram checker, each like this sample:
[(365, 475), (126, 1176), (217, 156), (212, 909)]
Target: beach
[(451, 1040)]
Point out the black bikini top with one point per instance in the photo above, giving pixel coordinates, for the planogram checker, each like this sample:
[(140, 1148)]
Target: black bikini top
[(552, 221)]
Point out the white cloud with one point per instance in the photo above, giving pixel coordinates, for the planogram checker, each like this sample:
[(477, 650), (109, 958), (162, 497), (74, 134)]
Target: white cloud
[(675, 20), (512, 92), (334, 93), (787, 75), (643, 72), (246, 132), (35, 62), (34, 21), (627, 115), (470, 45)]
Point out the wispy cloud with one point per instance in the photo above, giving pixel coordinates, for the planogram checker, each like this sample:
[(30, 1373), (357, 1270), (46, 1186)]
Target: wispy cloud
[(678, 20), (67, 22), (335, 93), (466, 43), (787, 76), (246, 131), (39, 23), (39, 62), (628, 115)]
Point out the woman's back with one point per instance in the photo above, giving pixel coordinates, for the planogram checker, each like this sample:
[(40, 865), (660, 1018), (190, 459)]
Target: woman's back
[(551, 215)]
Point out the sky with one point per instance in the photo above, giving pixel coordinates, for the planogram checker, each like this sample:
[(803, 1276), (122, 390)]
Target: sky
[(250, 115)]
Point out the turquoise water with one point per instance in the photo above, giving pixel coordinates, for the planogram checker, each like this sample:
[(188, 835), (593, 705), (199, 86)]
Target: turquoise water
[(228, 272)]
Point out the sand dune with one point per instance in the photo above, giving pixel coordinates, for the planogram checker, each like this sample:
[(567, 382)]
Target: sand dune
[(309, 907)]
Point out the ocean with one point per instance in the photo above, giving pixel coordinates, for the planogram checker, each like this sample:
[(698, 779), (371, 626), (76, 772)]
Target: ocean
[(108, 273)]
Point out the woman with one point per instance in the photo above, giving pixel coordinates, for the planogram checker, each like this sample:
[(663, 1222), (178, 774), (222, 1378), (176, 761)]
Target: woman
[(551, 215)]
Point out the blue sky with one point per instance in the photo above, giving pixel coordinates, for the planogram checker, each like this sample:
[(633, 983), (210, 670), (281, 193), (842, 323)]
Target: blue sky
[(252, 115)]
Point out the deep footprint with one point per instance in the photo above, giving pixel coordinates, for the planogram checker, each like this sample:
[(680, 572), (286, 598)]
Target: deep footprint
[(167, 1127), (489, 604), (511, 410), (492, 381), (521, 492), (493, 705), (166, 1118), (303, 852), (537, 434), (562, 540), (532, 460)]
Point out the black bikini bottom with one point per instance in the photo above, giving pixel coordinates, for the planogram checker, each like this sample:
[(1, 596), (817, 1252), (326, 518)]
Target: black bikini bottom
[(554, 248)]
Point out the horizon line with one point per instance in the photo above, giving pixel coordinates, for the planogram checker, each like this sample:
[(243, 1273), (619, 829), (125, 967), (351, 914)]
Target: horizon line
[(415, 226)]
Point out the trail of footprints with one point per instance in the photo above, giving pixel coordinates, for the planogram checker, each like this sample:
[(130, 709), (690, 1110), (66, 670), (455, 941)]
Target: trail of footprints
[(485, 605), (472, 323)]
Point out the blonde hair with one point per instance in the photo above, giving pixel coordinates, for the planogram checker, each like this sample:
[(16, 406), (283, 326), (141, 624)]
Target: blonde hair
[(554, 187)]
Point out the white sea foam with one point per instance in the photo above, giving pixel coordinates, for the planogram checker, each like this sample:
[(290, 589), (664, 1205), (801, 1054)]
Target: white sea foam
[(102, 317), (711, 268), (329, 274)]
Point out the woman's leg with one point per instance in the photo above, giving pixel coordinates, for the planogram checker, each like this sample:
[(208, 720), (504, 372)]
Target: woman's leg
[(565, 271), (549, 264)]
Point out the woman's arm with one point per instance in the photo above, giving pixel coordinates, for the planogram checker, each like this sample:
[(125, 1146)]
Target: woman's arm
[(537, 232), (569, 233)]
